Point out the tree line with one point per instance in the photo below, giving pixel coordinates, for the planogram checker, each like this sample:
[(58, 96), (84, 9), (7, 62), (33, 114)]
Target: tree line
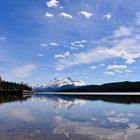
[(109, 87), (10, 86)]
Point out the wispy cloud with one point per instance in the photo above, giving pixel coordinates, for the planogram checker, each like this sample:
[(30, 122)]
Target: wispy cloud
[(123, 31), (24, 71), (2, 38), (116, 67), (86, 14), (118, 71), (59, 68), (107, 16), (40, 55), (128, 71), (93, 67), (43, 45), (54, 44), (109, 73), (65, 15), (49, 15), (64, 55)]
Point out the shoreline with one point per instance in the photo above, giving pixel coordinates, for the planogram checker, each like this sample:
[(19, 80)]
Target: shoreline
[(15, 92), (88, 93)]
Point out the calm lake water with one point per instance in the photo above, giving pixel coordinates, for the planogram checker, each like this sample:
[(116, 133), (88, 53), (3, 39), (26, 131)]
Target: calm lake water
[(53, 117)]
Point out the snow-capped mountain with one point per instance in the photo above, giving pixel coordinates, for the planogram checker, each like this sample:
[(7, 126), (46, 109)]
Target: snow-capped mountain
[(57, 84)]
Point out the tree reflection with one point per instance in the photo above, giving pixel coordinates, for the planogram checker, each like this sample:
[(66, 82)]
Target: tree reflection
[(10, 98)]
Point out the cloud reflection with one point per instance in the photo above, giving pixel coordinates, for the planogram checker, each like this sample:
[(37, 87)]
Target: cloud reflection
[(22, 114), (70, 128)]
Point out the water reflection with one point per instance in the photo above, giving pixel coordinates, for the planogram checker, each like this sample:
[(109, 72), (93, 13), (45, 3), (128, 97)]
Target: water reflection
[(65, 102), (54, 117), (10, 98), (66, 127)]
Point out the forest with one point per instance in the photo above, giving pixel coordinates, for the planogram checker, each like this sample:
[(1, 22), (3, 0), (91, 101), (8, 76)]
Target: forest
[(10, 86), (109, 87)]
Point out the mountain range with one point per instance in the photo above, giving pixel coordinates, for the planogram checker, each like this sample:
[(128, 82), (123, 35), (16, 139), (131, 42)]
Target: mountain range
[(125, 86), (66, 84), (58, 84)]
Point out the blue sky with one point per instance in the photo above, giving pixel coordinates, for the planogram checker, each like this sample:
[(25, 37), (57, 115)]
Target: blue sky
[(96, 41)]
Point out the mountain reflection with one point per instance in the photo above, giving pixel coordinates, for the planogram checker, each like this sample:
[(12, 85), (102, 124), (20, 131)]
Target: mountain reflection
[(60, 102), (67, 101)]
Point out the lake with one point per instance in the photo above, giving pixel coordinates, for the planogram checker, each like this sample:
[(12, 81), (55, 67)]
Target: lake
[(55, 117)]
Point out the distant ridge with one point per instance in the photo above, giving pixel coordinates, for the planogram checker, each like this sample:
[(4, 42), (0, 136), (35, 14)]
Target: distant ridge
[(58, 83), (125, 86)]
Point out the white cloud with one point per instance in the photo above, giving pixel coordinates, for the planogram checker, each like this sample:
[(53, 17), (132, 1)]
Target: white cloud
[(52, 3), (43, 45), (118, 71), (59, 69), (54, 44), (107, 16), (49, 15), (117, 45), (99, 54), (93, 55), (65, 15), (61, 7), (73, 48), (24, 71), (102, 64), (64, 55), (2, 38), (123, 31), (116, 67), (93, 67), (67, 53), (128, 71), (86, 14), (109, 73), (77, 44), (40, 55), (59, 56), (80, 41)]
